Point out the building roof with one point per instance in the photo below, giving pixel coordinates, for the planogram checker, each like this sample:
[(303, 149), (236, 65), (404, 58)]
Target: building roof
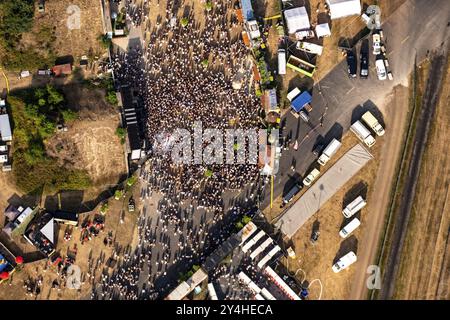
[(48, 230), (62, 69), (300, 101), (5, 128), (296, 19), (323, 30), (344, 8), (323, 189)]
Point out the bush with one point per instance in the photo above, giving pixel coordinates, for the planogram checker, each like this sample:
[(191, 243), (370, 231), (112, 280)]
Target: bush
[(184, 22), (131, 181), (208, 6), (35, 114)]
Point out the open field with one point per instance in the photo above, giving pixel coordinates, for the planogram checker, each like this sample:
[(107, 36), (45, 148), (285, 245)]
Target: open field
[(423, 272), (428, 83)]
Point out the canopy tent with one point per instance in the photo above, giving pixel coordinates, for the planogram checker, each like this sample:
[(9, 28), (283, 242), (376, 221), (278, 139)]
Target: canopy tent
[(344, 8), (296, 19), (323, 189), (48, 230), (323, 30), (301, 101)]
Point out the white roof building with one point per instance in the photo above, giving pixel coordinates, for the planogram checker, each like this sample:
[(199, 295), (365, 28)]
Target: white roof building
[(48, 230), (296, 19), (5, 128), (344, 8), (323, 30)]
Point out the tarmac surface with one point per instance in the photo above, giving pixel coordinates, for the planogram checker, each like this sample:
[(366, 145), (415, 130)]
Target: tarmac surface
[(336, 98)]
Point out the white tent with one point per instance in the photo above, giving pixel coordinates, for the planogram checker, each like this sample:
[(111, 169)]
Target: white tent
[(48, 230), (344, 8), (323, 30), (323, 189), (296, 19)]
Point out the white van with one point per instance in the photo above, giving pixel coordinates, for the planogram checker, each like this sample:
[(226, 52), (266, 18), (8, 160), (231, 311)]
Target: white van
[(311, 177), (344, 262), (381, 69), (373, 123), (362, 133), (349, 228), (281, 61), (354, 206)]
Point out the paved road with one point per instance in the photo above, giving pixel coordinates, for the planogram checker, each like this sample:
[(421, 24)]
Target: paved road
[(430, 100), (405, 38), (340, 96)]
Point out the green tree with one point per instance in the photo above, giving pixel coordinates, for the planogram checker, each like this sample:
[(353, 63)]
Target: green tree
[(184, 22), (208, 6)]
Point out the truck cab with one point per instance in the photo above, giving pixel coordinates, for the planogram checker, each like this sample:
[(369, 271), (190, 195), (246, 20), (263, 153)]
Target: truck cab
[(351, 64)]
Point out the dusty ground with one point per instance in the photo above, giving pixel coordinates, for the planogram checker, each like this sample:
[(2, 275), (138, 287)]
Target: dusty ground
[(395, 115), (124, 234), (424, 272), (315, 261)]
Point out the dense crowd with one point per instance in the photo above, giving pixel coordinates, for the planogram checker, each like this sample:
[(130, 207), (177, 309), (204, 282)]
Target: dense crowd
[(184, 73)]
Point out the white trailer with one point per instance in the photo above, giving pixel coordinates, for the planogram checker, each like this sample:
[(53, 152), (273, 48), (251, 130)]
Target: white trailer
[(373, 123), (310, 47), (349, 228), (354, 206), (212, 292), (363, 133), (329, 151), (344, 262)]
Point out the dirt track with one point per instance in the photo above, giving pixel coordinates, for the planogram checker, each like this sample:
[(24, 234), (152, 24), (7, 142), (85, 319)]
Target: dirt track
[(395, 117), (429, 103)]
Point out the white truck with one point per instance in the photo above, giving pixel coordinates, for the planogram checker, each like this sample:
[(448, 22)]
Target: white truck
[(310, 47), (354, 206), (373, 123), (329, 151), (344, 262), (349, 228), (281, 61), (362, 133)]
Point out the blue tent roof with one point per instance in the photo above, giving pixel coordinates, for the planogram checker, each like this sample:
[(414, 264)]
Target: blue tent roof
[(300, 101), (247, 9)]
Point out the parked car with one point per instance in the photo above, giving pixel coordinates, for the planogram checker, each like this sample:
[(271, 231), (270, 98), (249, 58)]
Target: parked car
[(376, 39), (352, 64), (304, 116), (364, 65), (311, 177)]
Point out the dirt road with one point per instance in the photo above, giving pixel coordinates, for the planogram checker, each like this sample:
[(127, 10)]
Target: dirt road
[(395, 116), (429, 103)]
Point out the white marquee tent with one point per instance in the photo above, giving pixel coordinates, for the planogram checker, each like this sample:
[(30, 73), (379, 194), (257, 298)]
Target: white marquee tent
[(344, 8), (296, 19)]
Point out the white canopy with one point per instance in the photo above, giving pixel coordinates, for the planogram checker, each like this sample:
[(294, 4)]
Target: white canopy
[(344, 8), (296, 19), (323, 189), (323, 30), (48, 230)]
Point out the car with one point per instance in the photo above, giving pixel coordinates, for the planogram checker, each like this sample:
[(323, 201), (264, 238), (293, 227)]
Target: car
[(376, 38), (317, 149), (344, 262), (304, 116), (351, 63), (364, 65), (311, 177), (314, 237)]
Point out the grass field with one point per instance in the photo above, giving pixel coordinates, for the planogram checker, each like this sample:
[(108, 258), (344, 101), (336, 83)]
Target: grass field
[(423, 272)]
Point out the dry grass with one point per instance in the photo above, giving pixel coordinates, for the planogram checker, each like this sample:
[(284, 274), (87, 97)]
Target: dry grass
[(423, 274)]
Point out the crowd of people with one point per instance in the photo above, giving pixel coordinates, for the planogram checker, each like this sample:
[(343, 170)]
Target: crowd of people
[(184, 73)]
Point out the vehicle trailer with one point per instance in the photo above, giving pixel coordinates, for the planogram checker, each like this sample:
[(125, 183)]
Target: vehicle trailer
[(301, 66)]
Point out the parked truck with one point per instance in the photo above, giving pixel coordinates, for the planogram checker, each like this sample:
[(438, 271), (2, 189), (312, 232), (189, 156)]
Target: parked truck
[(281, 61), (362, 133), (329, 151), (373, 123), (381, 69)]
